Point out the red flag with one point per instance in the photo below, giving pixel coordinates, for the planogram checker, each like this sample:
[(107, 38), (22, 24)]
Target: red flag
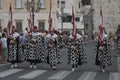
[(50, 18), (29, 28), (101, 27), (9, 25), (73, 22)]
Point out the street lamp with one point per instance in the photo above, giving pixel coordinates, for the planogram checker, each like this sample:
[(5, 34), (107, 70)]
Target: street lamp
[(31, 5), (62, 15)]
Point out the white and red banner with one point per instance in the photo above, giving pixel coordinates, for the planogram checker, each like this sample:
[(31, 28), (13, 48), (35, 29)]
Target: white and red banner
[(50, 19), (29, 27), (74, 30), (9, 25), (101, 27)]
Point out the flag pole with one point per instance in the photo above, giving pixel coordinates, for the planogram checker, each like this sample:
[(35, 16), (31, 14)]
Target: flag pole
[(73, 22), (50, 18), (10, 25), (11, 13), (101, 28)]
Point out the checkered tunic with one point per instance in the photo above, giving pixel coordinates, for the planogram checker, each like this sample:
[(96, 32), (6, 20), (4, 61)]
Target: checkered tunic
[(53, 57), (45, 50), (76, 56), (40, 49), (82, 55), (60, 46), (103, 59), (15, 50), (32, 52)]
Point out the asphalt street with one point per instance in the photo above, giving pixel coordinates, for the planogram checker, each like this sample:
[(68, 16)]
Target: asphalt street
[(43, 72)]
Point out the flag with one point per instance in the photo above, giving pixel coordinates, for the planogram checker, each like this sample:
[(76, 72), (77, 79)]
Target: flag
[(101, 27), (50, 18), (73, 23), (9, 25), (29, 27)]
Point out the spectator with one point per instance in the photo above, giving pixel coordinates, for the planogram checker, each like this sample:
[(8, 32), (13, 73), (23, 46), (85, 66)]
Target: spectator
[(4, 48)]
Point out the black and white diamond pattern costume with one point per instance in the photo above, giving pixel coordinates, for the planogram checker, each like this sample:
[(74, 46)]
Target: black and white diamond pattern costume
[(105, 57), (76, 56), (53, 55), (59, 47), (40, 41), (14, 50), (32, 49)]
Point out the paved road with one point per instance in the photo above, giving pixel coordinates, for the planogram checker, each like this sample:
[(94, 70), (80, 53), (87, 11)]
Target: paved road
[(86, 72)]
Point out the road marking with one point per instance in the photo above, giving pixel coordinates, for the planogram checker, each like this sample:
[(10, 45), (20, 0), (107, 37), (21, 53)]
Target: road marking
[(87, 76), (9, 72), (4, 64), (33, 74), (114, 76), (60, 75)]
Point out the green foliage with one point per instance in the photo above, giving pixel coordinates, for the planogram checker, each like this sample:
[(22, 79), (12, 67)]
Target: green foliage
[(118, 29)]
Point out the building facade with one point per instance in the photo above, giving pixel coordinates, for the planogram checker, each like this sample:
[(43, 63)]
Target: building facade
[(20, 14), (61, 14), (64, 8), (111, 14)]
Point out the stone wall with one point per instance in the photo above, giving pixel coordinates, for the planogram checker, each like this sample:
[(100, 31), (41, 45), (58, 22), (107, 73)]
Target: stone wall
[(111, 14)]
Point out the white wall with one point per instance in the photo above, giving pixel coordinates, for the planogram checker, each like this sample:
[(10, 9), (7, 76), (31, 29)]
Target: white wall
[(68, 10), (23, 17)]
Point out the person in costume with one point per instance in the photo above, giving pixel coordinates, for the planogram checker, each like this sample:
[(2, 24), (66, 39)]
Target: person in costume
[(53, 52), (32, 48), (14, 49), (76, 55), (103, 54)]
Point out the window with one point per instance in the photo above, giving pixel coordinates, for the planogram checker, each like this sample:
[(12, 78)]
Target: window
[(42, 3), (18, 3), (41, 25), (19, 26), (77, 19), (79, 4), (0, 4), (58, 5), (67, 19), (86, 2), (63, 4)]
